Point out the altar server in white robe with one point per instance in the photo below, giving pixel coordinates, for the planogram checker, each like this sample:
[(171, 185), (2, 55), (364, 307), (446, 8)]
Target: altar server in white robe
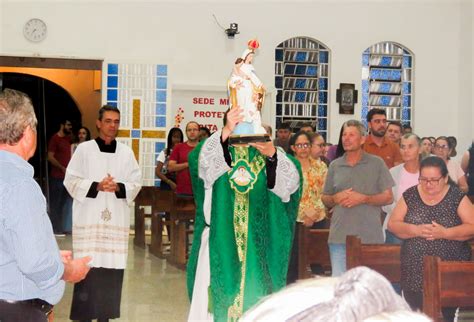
[(103, 178)]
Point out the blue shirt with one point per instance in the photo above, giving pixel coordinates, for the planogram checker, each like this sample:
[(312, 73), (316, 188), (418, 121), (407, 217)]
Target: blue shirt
[(30, 263)]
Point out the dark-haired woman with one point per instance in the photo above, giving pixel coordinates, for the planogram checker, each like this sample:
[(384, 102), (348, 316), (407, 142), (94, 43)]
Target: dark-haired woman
[(318, 148), (426, 147), (83, 135), (311, 209), (443, 148), (168, 179), (433, 218)]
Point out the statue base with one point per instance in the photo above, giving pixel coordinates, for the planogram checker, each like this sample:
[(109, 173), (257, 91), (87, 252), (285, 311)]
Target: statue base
[(248, 138)]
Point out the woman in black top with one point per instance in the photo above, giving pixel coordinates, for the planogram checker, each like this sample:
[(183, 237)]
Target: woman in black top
[(433, 218)]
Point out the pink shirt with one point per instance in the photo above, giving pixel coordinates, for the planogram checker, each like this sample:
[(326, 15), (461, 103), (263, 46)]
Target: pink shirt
[(407, 180)]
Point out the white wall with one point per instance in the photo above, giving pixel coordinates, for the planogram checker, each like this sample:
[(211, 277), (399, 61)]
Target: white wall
[(1, 26), (472, 73), (185, 35), (466, 85)]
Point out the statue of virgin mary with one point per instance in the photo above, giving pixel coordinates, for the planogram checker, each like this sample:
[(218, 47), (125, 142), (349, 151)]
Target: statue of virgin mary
[(247, 91)]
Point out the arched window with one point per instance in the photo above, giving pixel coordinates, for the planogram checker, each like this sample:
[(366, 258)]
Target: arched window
[(302, 81), (387, 81)]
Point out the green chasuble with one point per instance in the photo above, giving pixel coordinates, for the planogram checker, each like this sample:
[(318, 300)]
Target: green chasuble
[(251, 234)]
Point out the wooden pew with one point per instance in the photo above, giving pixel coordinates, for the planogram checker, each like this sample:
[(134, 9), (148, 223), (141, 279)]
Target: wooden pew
[(446, 284), (163, 202), (145, 197), (183, 211), (313, 249), (383, 258)]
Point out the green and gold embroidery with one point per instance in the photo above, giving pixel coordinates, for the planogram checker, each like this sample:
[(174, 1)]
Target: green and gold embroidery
[(242, 178)]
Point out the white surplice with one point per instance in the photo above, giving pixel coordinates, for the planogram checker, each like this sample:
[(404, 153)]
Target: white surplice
[(101, 224)]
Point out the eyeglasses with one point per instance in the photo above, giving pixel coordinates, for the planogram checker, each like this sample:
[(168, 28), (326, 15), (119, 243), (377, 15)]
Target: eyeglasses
[(302, 145), (433, 181), (441, 147), (321, 145)]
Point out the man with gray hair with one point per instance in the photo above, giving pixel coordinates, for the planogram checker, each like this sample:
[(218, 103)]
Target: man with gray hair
[(32, 268), (357, 185)]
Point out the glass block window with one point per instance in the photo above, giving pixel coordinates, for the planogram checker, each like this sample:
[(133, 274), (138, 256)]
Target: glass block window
[(140, 92), (387, 81), (148, 157), (302, 80)]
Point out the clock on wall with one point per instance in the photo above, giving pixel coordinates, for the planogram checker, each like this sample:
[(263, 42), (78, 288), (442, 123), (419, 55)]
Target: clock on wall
[(35, 30)]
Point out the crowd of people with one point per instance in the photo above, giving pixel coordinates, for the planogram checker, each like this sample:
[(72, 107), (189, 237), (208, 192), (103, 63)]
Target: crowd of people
[(377, 185), (388, 185)]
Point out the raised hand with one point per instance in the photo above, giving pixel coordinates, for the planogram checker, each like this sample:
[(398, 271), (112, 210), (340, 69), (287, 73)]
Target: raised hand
[(234, 116), (265, 148)]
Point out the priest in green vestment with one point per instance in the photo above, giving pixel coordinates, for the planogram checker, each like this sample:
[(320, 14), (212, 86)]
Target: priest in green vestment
[(246, 205)]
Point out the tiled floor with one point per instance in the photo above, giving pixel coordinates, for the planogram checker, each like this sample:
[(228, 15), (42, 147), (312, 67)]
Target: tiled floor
[(152, 290)]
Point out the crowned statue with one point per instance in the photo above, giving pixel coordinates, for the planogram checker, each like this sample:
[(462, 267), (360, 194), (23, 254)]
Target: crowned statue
[(246, 194), (247, 92)]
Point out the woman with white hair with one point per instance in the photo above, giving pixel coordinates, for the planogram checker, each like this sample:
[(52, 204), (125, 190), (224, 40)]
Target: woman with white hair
[(405, 176), (360, 294), (443, 148)]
